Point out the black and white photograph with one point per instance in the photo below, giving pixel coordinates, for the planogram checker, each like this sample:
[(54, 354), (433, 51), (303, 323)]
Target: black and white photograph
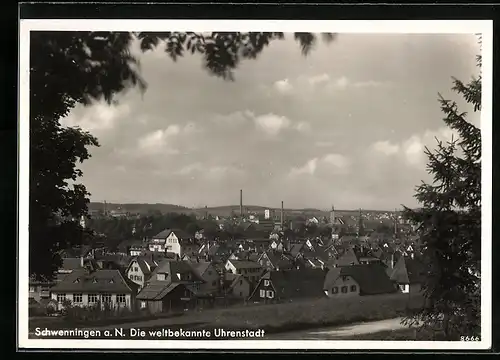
[(255, 184)]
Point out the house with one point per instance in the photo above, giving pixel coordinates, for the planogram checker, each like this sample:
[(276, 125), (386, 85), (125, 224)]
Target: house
[(250, 269), (297, 249), (173, 285), (409, 273), (39, 290), (312, 221), (356, 280), (284, 286), (158, 242), (259, 244), (276, 244), (236, 286), (140, 269), (172, 241), (274, 260), (208, 273), (87, 287), (349, 257), (70, 264)]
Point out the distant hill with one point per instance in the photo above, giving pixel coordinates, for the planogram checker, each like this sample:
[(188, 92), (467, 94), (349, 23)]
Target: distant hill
[(140, 208), (220, 210)]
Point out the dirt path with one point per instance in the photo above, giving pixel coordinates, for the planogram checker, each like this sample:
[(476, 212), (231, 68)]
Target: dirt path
[(342, 332)]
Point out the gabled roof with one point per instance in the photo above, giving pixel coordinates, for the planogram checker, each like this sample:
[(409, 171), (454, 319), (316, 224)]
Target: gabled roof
[(296, 248), (349, 257), (163, 234), (201, 267), (278, 260), (174, 267), (230, 280), (146, 263), (181, 234), (292, 284), (245, 264), (99, 281), (408, 271), (158, 291), (372, 279)]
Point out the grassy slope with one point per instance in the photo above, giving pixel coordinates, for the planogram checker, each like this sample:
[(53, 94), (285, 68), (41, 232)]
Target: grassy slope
[(277, 318)]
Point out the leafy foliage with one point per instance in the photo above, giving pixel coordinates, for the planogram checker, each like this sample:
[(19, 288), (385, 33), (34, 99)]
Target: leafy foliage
[(450, 224), (70, 68)]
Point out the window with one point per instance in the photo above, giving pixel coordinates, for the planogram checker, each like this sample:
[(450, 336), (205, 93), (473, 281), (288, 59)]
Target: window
[(270, 294), (143, 304), (121, 298), (266, 282), (241, 294), (344, 289), (32, 289), (262, 293), (241, 282), (77, 298), (93, 298), (131, 277), (344, 278), (61, 298), (353, 288), (106, 298), (335, 290)]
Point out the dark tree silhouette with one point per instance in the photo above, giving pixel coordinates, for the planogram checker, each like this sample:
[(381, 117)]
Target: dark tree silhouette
[(450, 224), (70, 68)]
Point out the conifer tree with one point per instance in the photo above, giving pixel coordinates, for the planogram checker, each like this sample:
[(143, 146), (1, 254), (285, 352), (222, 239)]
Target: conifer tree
[(449, 224)]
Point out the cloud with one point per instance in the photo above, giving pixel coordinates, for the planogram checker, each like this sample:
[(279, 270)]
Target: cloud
[(158, 141), (336, 162), (283, 86), (308, 168), (324, 143), (216, 172), (318, 79), (303, 126), (342, 83), (272, 124), (412, 149), (190, 169), (234, 118), (386, 147), (97, 117)]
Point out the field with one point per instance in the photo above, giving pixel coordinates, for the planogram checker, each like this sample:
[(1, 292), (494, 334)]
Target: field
[(271, 318)]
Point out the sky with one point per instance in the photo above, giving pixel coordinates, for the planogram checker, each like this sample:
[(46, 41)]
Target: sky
[(344, 126)]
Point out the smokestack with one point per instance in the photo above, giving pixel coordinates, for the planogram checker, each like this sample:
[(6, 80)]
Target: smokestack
[(282, 218), (241, 203)]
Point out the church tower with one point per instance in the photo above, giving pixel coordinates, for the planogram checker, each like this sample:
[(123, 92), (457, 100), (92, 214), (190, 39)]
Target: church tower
[(332, 216)]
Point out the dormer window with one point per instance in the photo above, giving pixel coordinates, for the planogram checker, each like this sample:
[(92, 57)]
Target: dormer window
[(94, 280), (179, 276), (76, 281), (111, 281), (161, 276)]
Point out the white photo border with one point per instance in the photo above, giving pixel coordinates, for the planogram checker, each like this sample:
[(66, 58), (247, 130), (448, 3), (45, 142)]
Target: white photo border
[(484, 27)]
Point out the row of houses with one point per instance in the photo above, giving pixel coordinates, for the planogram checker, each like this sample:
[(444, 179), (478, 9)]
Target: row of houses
[(163, 284)]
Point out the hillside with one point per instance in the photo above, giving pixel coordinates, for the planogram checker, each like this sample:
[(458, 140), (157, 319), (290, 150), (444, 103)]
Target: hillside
[(219, 210)]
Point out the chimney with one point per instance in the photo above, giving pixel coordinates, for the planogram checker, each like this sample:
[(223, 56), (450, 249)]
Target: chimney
[(81, 260), (282, 217), (241, 203)]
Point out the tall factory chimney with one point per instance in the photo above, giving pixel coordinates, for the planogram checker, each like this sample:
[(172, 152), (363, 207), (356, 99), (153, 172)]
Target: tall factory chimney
[(282, 217), (241, 203)]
